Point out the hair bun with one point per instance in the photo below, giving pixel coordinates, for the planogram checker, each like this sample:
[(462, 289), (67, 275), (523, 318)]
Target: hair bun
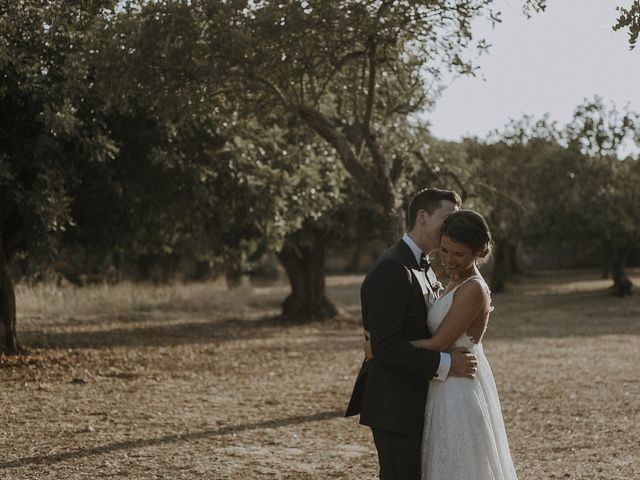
[(469, 228)]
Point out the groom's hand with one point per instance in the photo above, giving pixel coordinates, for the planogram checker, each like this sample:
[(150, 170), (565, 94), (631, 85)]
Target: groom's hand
[(463, 363)]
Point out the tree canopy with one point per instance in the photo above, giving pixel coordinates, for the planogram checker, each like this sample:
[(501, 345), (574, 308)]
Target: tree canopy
[(243, 127), (629, 18)]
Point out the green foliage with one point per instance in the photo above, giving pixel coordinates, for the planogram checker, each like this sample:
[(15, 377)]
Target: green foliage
[(565, 184), (629, 18), (233, 125), (600, 131), (350, 73), (42, 131), (600, 197)]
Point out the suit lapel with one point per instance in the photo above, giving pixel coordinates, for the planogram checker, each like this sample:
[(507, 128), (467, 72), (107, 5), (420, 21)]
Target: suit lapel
[(409, 259), (425, 284)]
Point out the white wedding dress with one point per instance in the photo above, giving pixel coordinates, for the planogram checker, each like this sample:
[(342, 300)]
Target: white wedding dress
[(464, 436)]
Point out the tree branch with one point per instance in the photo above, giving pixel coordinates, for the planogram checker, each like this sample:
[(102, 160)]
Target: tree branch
[(275, 89), (443, 173), (337, 66), (382, 177), (323, 126), (366, 123)]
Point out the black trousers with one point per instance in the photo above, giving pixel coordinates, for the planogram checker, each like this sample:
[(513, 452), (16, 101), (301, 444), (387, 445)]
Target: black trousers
[(398, 454)]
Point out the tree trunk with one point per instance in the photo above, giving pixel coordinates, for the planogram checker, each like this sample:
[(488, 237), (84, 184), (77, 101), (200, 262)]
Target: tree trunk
[(607, 261), (237, 276), (514, 268), (621, 282), (238, 281), (396, 226), (354, 260), (606, 271), (305, 269), (8, 336), (501, 266)]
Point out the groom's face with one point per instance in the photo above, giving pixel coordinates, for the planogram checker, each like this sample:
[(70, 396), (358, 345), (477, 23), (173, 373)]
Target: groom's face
[(434, 221)]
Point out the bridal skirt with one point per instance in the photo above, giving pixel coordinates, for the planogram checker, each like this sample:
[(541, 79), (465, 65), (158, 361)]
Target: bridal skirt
[(464, 435)]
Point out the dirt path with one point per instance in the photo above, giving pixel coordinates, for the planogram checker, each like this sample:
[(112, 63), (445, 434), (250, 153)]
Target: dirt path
[(197, 383)]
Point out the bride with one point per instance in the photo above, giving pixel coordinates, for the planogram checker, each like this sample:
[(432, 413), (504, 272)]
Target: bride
[(464, 436)]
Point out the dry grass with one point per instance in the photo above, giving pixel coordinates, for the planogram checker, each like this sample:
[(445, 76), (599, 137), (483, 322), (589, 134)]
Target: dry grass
[(197, 382)]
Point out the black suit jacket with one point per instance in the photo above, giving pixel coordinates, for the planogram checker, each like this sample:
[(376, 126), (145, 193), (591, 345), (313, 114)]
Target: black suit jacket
[(391, 389)]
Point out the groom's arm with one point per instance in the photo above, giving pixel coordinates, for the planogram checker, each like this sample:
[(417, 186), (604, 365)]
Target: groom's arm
[(387, 296), (444, 368)]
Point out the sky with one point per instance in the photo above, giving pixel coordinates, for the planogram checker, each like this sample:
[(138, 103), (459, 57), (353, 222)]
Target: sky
[(549, 63)]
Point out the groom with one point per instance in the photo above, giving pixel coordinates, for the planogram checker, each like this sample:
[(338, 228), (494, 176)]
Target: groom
[(391, 389)]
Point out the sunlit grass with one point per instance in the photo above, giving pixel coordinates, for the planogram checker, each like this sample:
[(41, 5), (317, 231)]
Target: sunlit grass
[(53, 301)]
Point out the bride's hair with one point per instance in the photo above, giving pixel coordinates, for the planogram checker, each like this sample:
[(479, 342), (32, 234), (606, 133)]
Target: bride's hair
[(469, 228)]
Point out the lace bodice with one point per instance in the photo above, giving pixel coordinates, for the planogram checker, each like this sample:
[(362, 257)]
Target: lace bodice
[(441, 306)]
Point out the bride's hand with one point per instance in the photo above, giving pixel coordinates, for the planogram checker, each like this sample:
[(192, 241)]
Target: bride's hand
[(419, 343)]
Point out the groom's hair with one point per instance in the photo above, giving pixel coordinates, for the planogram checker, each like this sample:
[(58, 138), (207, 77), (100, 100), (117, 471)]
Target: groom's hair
[(429, 200)]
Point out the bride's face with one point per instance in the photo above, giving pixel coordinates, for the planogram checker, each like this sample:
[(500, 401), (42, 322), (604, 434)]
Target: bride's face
[(457, 257)]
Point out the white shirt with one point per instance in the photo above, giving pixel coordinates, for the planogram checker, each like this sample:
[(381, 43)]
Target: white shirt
[(445, 359)]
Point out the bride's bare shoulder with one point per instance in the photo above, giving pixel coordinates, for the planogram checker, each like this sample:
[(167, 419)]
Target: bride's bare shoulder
[(474, 290)]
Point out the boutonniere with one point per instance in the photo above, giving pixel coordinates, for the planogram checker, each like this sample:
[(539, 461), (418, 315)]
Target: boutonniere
[(433, 281)]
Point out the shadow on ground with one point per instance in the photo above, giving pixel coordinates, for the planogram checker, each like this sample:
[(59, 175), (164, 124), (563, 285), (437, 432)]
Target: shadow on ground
[(143, 333), (167, 439)]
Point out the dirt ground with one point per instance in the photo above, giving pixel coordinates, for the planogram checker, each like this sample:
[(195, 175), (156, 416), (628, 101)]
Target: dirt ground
[(195, 382)]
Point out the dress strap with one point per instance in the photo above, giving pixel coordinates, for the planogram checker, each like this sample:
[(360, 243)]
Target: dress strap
[(475, 275)]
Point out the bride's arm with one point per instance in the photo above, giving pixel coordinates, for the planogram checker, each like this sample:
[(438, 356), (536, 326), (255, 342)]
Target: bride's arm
[(468, 301)]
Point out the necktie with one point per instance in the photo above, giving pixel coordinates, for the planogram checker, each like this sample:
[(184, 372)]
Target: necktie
[(424, 264)]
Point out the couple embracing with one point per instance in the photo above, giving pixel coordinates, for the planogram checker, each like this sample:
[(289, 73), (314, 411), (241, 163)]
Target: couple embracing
[(426, 389)]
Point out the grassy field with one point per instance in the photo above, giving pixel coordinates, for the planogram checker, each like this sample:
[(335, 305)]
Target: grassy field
[(196, 382)]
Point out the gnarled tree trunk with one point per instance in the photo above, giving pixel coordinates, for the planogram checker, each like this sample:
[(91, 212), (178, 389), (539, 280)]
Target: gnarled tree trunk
[(621, 282), (305, 269), (501, 266), (8, 336)]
